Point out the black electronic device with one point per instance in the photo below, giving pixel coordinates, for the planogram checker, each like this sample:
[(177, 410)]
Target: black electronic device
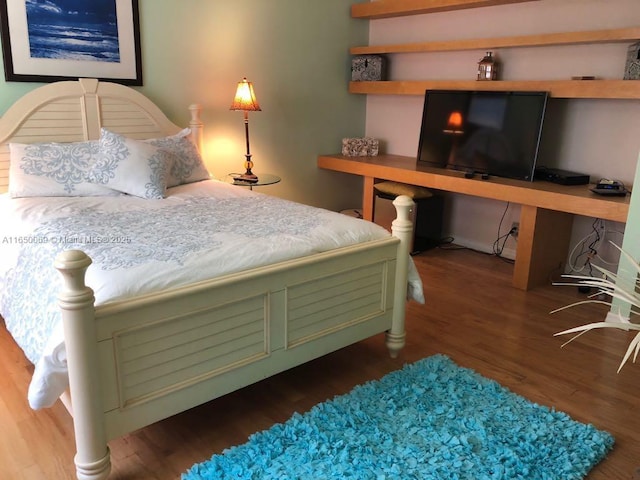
[(562, 177), (609, 187), (493, 133)]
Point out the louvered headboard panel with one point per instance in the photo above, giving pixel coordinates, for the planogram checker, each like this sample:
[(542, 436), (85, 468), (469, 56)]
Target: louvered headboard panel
[(73, 111)]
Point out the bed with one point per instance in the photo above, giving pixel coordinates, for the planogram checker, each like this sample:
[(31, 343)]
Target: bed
[(162, 299)]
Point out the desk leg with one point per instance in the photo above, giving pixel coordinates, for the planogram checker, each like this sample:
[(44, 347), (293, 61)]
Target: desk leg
[(368, 198), (543, 246)]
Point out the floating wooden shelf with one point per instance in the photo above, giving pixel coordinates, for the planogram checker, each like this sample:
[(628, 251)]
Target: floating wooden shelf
[(612, 89), (620, 35), (398, 8)]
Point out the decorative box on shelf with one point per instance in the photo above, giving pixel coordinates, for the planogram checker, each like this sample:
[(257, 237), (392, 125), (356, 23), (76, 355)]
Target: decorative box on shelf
[(368, 68), (360, 147), (632, 67)]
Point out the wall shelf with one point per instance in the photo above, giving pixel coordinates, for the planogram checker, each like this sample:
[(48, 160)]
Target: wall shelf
[(620, 35), (611, 89), (398, 8)]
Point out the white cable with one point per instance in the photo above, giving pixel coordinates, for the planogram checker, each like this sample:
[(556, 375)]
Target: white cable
[(572, 266), (596, 247)]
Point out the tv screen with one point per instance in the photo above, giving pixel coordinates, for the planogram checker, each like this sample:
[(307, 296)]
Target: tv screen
[(497, 133)]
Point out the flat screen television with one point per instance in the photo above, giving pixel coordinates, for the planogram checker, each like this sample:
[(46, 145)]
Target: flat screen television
[(495, 133)]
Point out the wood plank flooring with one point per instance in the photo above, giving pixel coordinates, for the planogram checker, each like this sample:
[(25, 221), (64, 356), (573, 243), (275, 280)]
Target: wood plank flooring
[(472, 314)]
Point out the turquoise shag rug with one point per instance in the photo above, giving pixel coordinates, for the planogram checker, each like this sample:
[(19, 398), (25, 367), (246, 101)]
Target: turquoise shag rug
[(430, 420)]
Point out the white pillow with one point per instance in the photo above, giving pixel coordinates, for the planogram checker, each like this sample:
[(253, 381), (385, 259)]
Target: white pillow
[(188, 166), (53, 170), (131, 166)]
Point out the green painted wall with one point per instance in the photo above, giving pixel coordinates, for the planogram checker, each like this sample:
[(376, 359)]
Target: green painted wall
[(296, 54)]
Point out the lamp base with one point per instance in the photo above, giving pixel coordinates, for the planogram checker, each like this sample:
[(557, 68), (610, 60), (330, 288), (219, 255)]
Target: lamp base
[(246, 177)]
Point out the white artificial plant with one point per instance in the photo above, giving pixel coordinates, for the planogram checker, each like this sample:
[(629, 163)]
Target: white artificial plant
[(608, 286)]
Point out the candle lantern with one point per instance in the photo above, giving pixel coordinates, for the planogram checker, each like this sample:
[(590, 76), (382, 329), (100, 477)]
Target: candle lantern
[(488, 67)]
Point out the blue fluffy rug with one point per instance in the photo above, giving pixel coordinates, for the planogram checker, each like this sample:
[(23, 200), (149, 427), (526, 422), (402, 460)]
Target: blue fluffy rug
[(430, 420)]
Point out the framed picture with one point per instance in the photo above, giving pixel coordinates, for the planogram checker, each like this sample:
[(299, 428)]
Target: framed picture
[(52, 40)]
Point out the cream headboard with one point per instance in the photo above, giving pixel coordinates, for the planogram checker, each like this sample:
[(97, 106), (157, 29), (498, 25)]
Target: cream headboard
[(73, 111)]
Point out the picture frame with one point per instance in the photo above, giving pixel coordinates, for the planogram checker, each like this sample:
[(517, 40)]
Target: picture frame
[(71, 39)]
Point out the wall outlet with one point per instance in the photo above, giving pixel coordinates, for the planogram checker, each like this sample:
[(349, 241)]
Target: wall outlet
[(515, 229)]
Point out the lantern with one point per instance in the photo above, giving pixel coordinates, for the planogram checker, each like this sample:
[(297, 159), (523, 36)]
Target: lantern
[(488, 68)]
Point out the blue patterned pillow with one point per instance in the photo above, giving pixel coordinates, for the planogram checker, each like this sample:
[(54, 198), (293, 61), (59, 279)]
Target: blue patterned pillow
[(131, 166), (53, 170), (188, 166)]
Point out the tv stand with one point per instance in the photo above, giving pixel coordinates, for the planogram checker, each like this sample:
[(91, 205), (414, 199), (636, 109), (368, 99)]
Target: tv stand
[(546, 214)]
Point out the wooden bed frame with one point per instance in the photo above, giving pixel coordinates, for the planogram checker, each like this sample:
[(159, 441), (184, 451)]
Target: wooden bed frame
[(215, 336)]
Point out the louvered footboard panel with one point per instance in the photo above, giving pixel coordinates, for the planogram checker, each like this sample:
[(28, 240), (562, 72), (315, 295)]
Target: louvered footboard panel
[(335, 302), (152, 359)]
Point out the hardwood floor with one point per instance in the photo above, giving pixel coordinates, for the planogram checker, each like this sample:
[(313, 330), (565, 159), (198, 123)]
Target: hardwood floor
[(472, 314)]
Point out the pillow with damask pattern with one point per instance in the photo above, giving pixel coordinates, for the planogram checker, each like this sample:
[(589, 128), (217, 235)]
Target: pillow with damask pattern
[(188, 166), (54, 170), (131, 166)]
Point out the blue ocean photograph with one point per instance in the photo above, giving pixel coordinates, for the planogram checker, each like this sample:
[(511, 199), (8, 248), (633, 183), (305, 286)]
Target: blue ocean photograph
[(73, 30)]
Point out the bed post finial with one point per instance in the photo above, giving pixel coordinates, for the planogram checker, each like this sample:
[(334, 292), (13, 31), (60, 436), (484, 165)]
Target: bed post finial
[(402, 228), (76, 302), (196, 126)]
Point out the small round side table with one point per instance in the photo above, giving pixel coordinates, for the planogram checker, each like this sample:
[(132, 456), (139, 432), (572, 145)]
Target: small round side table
[(263, 179)]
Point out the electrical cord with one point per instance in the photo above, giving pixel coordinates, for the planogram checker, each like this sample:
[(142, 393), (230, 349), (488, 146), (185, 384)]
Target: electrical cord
[(497, 247), (587, 250)]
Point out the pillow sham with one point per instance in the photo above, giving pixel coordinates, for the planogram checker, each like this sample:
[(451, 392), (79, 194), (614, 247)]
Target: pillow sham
[(53, 170), (188, 166), (131, 166)]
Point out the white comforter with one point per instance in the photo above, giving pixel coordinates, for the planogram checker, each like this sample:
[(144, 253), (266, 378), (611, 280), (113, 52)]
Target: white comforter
[(199, 231)]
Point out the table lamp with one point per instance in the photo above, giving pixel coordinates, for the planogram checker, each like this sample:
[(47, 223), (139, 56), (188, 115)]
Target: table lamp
[(245, 100)]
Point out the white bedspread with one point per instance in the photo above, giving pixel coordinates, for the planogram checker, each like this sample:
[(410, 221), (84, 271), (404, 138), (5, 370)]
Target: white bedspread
[(199, 231)]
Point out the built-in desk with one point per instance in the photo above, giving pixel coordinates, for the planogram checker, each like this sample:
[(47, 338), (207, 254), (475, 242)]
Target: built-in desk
[(546, 214)]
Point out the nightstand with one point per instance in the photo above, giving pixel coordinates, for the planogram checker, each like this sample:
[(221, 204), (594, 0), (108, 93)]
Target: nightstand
[(263, 179)]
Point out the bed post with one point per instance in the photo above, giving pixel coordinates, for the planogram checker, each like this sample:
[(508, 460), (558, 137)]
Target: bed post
[(402, 228), (196, 126), (76, 301)]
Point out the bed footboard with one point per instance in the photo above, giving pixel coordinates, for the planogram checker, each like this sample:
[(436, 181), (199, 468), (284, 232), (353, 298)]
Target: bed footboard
[(137, 361)]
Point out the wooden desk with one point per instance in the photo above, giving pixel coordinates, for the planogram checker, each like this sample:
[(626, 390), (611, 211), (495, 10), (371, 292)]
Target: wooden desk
[(546, 214)]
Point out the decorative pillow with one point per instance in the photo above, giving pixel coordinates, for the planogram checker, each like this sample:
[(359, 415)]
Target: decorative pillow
[(131, 166), (53, 170), (188, 166)]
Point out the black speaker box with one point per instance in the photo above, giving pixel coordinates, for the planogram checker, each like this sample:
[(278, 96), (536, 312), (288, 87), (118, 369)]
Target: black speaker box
[(562, 177), (426, 217)]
